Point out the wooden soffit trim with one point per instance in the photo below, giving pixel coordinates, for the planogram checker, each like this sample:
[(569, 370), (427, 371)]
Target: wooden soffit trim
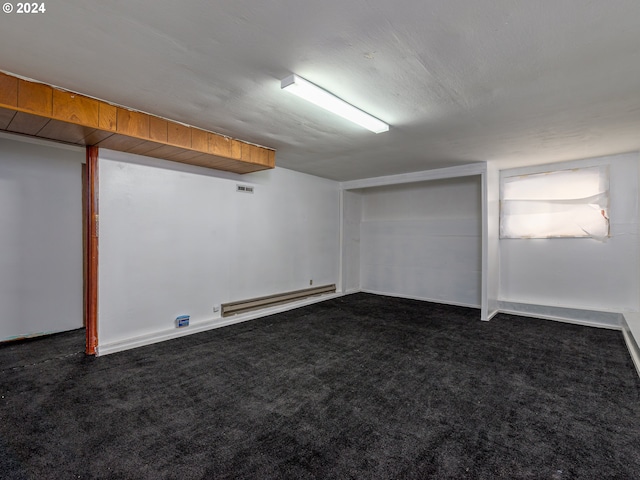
[(39, 110)]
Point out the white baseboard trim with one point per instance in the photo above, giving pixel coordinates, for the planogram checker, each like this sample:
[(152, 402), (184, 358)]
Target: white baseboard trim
[(352, 290), (591, 318), (203, 326), (628, 323), (26, 336), (424, 299), (631, 333), (490, 315)]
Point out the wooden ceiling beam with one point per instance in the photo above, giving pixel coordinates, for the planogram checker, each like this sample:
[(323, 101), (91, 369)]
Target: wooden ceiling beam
[(43, 111)]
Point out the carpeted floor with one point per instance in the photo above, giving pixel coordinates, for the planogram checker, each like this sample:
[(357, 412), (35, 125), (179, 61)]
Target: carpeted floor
[(362, 386)]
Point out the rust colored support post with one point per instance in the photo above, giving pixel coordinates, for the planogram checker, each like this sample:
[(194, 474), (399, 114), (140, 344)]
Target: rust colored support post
[(91, 314)]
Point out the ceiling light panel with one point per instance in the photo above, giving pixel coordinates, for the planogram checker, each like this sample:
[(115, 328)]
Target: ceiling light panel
[(320, 97)]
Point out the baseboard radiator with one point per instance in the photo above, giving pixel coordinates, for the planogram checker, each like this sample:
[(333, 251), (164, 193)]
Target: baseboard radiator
[(242, 306)]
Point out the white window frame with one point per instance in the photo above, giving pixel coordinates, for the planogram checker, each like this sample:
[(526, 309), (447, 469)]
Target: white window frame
[(568, 203)]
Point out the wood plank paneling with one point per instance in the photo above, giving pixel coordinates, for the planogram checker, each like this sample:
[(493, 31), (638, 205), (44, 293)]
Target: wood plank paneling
[(194, 160), (255, 154), (27, 124), (144, 148), (122, 143), (179, 135), (73, 108), (65, 132), (158, 129), (236, 149), (184, 156), (8, 90), (263, 156), (107, 117), (165, 151), (199, 140), (36, 109), (5, 117), (219, 145), (218, 163), (35, 97), (248, 168), (245, 152), (133, 124), (95, 137)]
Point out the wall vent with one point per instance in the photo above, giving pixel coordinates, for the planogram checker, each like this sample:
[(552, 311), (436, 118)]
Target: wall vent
[(244, 188), (242, 306)]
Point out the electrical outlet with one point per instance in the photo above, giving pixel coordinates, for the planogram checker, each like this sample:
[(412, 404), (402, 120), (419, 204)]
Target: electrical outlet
[(310, 282), (182, 321)]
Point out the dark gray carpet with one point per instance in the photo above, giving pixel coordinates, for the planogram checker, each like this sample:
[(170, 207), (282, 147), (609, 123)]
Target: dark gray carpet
[(362, 387)]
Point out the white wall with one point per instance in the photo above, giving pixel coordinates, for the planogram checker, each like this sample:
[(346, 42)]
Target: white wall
[(580, 272), (41, 274), (352, 216), (423, 240), (177, 239), (490, 242)]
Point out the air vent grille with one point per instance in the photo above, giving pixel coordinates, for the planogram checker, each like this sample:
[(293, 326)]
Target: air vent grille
[(244, 188)]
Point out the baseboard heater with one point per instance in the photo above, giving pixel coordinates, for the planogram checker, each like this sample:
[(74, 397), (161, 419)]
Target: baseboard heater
[(242, 306)]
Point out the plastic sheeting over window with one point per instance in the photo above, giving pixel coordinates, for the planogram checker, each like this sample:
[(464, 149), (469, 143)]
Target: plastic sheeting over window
[(563, 203)]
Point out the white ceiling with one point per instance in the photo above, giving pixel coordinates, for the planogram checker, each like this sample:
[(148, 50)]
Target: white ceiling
[(460, 81)]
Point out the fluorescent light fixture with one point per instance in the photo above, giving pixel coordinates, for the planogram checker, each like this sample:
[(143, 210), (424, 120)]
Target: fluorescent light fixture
[(316, 95)]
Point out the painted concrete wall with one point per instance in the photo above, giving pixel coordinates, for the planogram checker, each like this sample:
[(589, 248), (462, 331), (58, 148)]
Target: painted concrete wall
[(580, 272), (490, 242), (41, 274), (177, 239), (352, 217), (423, 240)]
